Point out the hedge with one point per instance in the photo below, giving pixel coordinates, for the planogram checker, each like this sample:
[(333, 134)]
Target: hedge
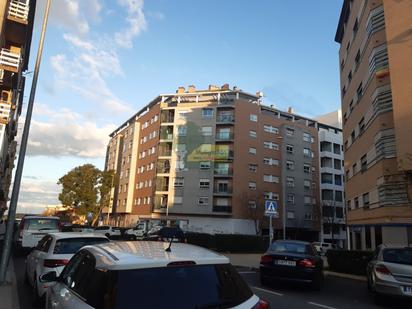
[(229, 242), (350, 262)]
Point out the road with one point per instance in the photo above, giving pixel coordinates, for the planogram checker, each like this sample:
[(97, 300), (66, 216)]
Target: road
[(337, 293)]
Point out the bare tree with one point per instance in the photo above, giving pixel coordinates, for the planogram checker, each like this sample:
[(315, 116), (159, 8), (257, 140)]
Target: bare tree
[(254, 202)]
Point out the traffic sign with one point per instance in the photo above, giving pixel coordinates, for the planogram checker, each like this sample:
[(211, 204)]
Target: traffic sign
[(271, 208)]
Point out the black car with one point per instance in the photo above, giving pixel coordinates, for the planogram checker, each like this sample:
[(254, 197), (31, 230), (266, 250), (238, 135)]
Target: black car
[(294, 261), (166, 233)]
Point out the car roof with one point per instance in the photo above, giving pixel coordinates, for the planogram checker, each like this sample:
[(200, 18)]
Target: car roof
[(147, 254), (66, 235), (39, 217)]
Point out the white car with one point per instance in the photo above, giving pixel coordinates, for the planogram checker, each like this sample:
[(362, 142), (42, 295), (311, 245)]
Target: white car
[(323, 247), (52, 253), (145, 274), (33, 228), (108, 231)]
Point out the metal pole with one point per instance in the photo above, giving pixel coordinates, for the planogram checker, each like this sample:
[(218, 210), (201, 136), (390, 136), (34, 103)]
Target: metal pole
[(8, 238), (270, 230)]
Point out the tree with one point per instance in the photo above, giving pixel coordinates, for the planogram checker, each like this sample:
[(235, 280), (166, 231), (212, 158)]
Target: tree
[(86, 189), (255, 213)]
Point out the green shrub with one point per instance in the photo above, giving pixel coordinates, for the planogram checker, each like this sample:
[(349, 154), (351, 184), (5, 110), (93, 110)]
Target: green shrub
[(350, 262), (201, 239)]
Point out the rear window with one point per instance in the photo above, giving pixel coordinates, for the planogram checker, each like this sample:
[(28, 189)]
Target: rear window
[(41, 224), (72, 245), (398, 255), (101, 228), (287, 247), (199, 286)]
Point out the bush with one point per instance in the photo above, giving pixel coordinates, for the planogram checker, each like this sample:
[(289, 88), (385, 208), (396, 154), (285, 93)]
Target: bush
[(350, 262), (229, 242)]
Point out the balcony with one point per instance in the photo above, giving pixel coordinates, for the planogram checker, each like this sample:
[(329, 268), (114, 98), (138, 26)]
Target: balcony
[(19, 11), (222, 191), (222, 209), (224, 136), (5, 108), (163, 167), (9, 60), (226, 103), (223, 172), (225, 119), (223, 155)]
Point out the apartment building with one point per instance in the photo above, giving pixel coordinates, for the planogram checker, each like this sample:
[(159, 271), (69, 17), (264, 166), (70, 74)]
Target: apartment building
[(16, 26), (376, 78), (210, 158)]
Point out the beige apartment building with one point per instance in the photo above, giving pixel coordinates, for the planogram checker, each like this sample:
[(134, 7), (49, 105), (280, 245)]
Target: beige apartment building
[(376, 77), (16, 26), (210, 158)]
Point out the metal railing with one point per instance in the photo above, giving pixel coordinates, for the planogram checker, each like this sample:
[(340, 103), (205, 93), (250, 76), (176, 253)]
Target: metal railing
[(9, 58), (217, 208), (224, 136), (19, 9), (223, 171), (218, 190), (4, 110), (225, 118)]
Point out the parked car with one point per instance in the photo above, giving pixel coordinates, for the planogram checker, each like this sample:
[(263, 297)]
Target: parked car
[(108, 231), (53, 252), (323, 247), (32, 229), (106, 276), (141, 229), (166, 233), (390, 271), (295, 261)]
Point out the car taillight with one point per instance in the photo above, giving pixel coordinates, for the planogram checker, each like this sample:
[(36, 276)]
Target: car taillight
[(55, 263), (261, 304), (307, 263), (380, 268), (266, 259)]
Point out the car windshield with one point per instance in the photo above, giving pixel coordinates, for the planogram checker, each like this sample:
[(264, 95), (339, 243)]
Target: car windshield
[(398, 255), (199, 286), (72, 245), (41, 224), (289, 247)]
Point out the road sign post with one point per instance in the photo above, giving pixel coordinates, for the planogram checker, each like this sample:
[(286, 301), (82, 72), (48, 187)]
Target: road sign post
[(271, 210)]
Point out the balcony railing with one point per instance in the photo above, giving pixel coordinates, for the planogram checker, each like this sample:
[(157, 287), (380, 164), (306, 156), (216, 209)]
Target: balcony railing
[(226, 118), (222, 191), (223, 155), (223, 171), (226, 209), (4, 111), (166, 136), (10, 59), (19, 10), (164, 152), (224, 136)]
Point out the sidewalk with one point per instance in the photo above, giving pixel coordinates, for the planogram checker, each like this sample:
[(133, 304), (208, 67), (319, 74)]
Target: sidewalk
[(252, 260), (9, 298)]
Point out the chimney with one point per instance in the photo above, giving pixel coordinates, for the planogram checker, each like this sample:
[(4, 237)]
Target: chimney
[(191, 88), (181, 89), (225, 87), (290, 110), (213, 87)]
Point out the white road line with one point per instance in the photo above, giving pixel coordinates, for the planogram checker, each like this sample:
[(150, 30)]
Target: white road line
[(267, 291), (320, 305), (247, 272)]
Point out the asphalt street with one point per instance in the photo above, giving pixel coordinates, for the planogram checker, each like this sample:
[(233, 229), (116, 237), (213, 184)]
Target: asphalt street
[(337, 293)]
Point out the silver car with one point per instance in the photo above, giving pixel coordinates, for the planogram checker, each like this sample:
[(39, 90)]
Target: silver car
[(390, 271)]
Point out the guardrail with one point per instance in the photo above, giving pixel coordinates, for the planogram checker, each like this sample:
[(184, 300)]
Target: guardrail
[(19, 10)]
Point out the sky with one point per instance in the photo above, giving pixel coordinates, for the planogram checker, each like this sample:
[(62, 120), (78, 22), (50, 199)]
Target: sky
[(105, 59)]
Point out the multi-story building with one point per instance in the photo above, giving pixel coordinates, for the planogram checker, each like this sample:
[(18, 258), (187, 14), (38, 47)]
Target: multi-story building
[(16, 26), (376, 79), (211, 157)]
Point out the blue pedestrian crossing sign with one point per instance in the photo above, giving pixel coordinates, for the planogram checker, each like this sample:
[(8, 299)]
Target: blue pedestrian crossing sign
[(271, 208)]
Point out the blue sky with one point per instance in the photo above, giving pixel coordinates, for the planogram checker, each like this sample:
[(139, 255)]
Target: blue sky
[(103, 60)]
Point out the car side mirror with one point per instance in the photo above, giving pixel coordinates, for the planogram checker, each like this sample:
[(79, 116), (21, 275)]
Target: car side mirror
[(48, 277)]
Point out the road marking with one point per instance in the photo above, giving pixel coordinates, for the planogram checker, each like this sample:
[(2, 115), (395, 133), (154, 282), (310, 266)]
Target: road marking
[(320, 305), (267, 291), (247, 272)]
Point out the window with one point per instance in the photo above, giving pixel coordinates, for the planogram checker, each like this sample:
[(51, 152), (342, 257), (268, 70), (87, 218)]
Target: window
[(290, 131), (270, 129), (207, 112), (365, 199), (290, 165), (205, 165), (355, 27), (204, 183), (270, 178), (252, 185), (178, 199), (357, 58), (337, 164), (352, 136), (252, 134), (291, 199), (338, 196), (253, 117), (307, 152), (253, 167), (179, 182), (207, 131), (252, 204), (306, 184), (354, 169), (350, 76), (270, 161), (307, 137), (325, 146), (289, 149), (183, 114), (338, 180), (356, 202), (359, 91), (181, 130), (291, 215), (336, 148), (307, 200), (306, 168), (361, 125), (290, 182), (252, 150), (203, 201), (364, 163), (271, 145), (271, 196)]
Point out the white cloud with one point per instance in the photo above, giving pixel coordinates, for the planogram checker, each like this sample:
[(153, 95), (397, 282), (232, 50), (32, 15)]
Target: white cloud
[(156, 15), (35, 195), (136, 23), (66, 133)]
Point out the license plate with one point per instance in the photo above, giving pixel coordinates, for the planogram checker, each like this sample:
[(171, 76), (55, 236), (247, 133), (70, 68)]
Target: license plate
[(407, 289), (285, 263)]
